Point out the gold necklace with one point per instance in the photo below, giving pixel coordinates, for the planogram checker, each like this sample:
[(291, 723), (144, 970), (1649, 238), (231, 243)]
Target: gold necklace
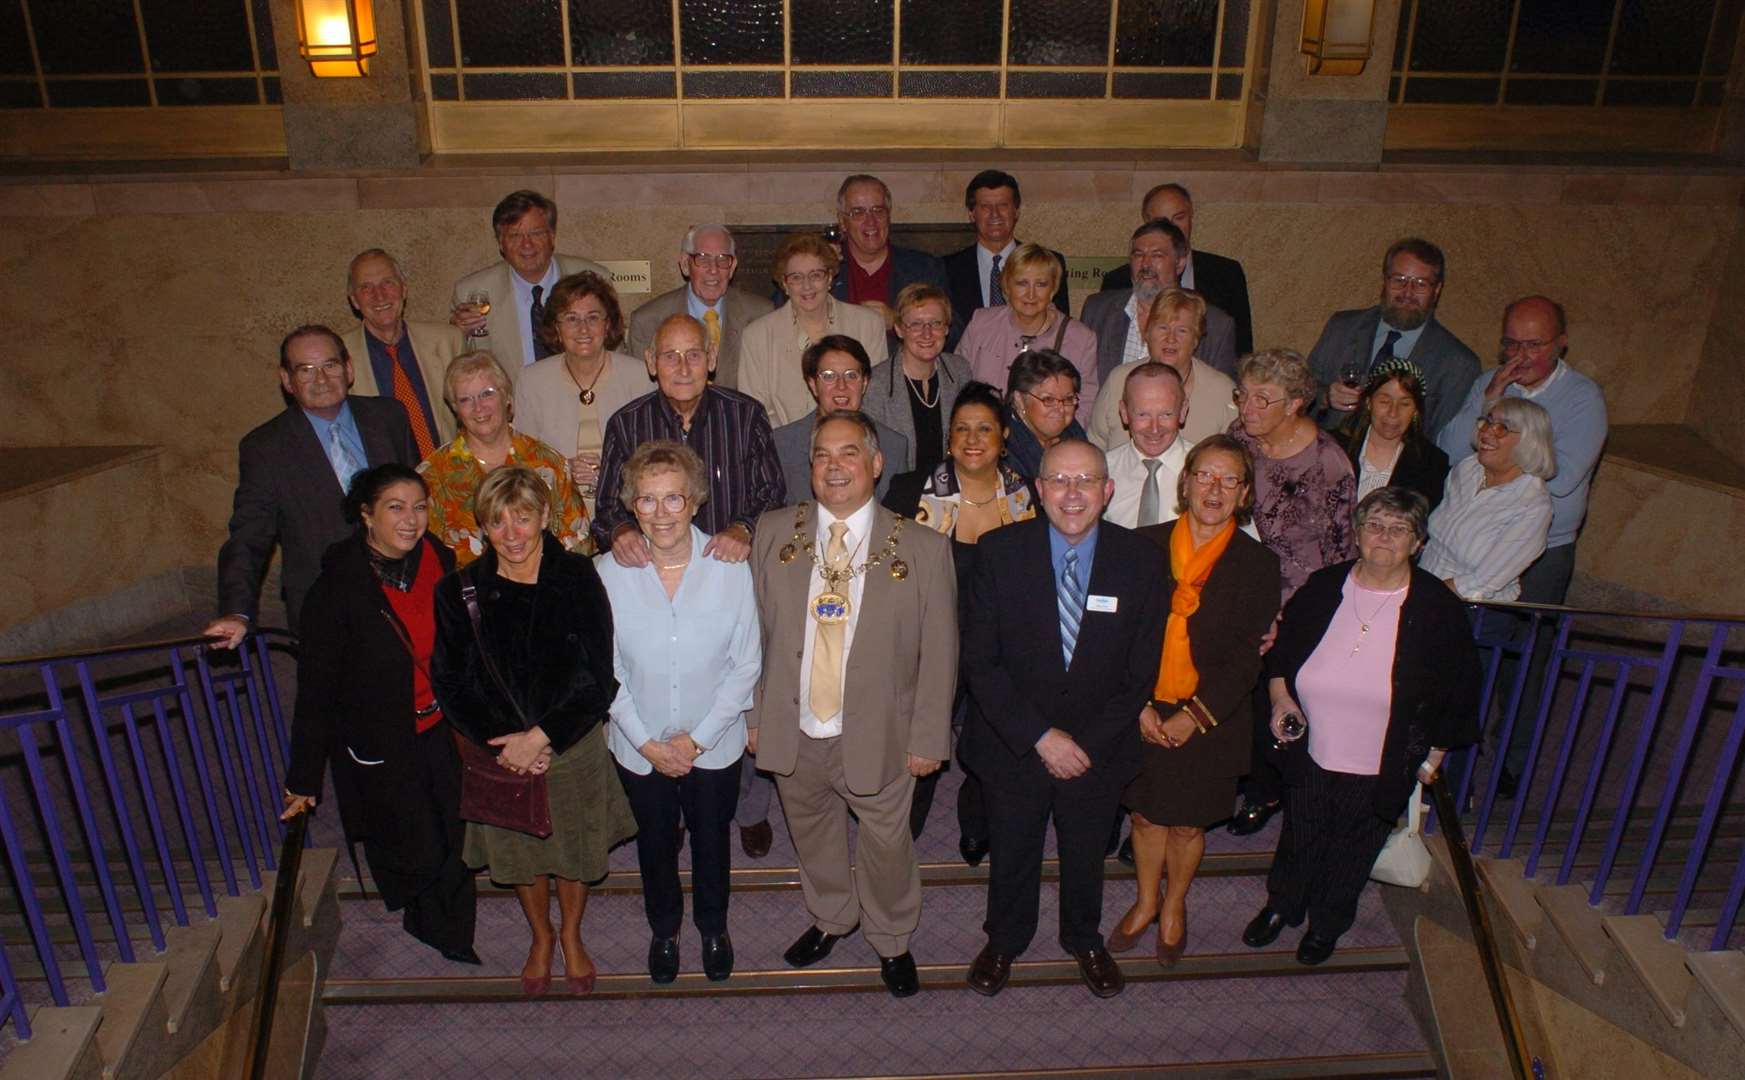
[(1363, 623), (832, 605), (587, 392)]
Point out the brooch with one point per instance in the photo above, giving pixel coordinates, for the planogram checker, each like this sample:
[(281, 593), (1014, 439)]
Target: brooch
[(899, 570)]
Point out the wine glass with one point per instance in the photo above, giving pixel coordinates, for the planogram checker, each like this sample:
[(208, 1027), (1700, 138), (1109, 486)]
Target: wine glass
[(1352, 374), (480, 300), (1290, 728)]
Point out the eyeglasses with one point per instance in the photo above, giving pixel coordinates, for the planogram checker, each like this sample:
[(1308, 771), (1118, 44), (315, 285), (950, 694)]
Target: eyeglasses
[(519, 235), (810, 277), (1406, 281), (1397, 530), (1261, 401), (483, 397), (1162, 255), (861, 213), (1070, 401), (1532, 345), (925, 326), (675, 358), (851, 377), (673, 502), (711, 262), (1206, 478), (1080, 482), (1171, 332), (575, 320), (305, 373), (1497, 422)]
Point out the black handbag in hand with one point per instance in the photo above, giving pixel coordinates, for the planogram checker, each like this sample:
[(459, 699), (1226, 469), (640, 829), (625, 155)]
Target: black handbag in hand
[(489, 793)]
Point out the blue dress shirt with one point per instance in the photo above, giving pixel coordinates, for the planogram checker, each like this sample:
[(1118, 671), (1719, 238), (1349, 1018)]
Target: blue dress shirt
[(348, 434)]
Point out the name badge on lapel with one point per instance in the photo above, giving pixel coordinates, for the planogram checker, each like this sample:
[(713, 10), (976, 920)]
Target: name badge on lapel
[(1103, 603)]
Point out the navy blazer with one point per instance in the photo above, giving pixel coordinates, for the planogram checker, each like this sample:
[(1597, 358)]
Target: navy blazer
[(964, 273), (1019, 683), (1218, 278)]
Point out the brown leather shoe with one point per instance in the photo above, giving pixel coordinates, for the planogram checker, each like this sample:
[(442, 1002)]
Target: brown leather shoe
[(989, 971), (1100, 972), (756, 839), (1170, 955), (1119, 940)]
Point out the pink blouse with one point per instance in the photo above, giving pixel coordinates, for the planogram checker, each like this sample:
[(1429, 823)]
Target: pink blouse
[(1346, 685), (993, 341)]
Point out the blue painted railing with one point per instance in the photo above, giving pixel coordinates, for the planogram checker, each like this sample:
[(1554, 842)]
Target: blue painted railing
[(148, 765)]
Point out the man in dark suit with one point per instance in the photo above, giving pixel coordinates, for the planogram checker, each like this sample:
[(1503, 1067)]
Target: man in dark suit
[(874, 270), (1218, 278), (836, 369), (993, 201), (707, 259), (293, 471), (1155, 259), (1064, 629), (1403, 324)]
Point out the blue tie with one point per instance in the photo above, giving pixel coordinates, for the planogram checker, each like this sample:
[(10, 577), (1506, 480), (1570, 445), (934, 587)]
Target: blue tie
[(1387, 348), (345, 465), (1071, 602)]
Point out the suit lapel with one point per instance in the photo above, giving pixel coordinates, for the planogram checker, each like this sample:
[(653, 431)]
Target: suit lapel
[(506, 346), (876, 599), (377, 447), (1044, 613), (307, 455), (794, 580), (1363, 342)]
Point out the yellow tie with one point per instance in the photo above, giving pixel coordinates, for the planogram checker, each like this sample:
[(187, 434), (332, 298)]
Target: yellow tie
[(712, 324), (825, 696)]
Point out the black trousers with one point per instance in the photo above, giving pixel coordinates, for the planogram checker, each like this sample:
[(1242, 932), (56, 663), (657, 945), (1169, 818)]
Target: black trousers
[(1330, 840), (439, 910), (1264, 784), (1018, 812), (707, 799)]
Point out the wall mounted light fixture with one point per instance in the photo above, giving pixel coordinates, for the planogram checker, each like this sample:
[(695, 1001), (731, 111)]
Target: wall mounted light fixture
[(1336, 35), (336, 37)]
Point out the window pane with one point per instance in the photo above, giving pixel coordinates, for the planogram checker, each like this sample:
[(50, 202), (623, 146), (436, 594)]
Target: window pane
[(273, 94), (961, 32), (731, 32), (733, 84), (625, 84), (1054, 84), (1552, 91), (1562, 35), (88, 36), (438, 34), (14, 47), (1059, 32), (1230, 88), (73, 93), (615, 32), (1666, 37), (445, 87), (184, 36), (1233, 52), (841, 31), (1162, 85), (873, 84), (19, 95), (1166, 33), (1400, 35), (966, 84), (1671, 92), (1726, 33), (510, 33), (517, 87), (1468, 36), (207, 92), (263, 35), (1422, 90)]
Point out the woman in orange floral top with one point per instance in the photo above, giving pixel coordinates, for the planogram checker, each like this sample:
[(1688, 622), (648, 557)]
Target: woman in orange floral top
[(483, 398)]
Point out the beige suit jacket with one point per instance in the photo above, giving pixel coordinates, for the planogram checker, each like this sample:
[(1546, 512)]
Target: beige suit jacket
[(901, 669), (741, 309), (494, 281), (1210, 406), (435, 344), (769, 358)]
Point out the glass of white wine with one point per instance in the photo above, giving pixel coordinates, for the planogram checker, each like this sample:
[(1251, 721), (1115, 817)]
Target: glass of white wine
[(481, 301)]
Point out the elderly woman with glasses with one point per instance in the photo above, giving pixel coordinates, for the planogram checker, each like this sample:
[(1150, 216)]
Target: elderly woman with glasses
[(1042, 396), (483, 398), (1172, 336), (914, 391), (1494, 519), (771, 347), (687, 655), (1376, 658), (1028, 321)]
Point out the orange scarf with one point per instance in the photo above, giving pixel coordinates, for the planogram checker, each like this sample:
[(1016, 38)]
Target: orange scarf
[(1177, 678)]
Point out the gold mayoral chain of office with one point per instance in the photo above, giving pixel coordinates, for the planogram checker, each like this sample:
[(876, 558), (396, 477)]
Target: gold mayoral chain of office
[(832, 605)]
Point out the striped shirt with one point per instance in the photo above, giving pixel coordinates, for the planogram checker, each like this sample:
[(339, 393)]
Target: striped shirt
[(1482, 538), (729, 431)]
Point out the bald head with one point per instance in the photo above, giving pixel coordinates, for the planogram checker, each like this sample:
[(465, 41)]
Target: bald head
[(1153, 407), (1535, 335)]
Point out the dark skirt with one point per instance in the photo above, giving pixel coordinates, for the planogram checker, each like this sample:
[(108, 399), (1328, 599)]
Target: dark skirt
[(1171, 789)]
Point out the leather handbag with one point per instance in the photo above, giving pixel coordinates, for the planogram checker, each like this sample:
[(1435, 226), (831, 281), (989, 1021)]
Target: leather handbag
[(1404, 860), (489, 793)]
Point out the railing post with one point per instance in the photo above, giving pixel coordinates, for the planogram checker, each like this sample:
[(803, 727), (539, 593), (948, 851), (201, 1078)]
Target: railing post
[(123, 814)]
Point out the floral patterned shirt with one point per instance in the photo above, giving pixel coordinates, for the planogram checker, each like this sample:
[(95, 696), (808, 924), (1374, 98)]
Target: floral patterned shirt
[(1303, 505), (454, 474)]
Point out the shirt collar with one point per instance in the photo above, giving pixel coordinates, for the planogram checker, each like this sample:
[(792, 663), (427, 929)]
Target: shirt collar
[(524, 288), (859, 523), (694, 304), (1534, 391), (341, 418)]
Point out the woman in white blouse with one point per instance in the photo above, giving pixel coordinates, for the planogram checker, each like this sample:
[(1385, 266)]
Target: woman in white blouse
[(1496, 510), (686, 654)]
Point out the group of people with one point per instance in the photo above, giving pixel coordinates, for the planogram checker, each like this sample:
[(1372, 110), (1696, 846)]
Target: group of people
[(645, 571)]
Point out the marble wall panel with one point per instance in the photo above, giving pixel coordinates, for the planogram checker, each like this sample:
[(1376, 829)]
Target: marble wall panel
[(1672, 540)]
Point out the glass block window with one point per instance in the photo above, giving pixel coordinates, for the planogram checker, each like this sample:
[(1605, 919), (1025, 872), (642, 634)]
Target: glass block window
[(1670, 53), (67, 54), (845, 49)]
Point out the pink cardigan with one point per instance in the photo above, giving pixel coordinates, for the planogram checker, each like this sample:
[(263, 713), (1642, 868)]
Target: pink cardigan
[(992, 341)]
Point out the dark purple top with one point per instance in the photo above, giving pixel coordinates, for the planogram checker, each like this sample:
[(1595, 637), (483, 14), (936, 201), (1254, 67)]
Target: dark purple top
[(1303, 505)]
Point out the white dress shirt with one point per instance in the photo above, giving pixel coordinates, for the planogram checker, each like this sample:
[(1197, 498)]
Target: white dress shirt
[(1370, 477), (857, 541), (1127, 469), (1482, 538), (688, 663), (985, 266), (1134, 349), (524, 306)]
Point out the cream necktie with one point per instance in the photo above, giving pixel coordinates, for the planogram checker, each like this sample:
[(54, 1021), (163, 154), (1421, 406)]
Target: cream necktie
[(825, 696), (712, 324)]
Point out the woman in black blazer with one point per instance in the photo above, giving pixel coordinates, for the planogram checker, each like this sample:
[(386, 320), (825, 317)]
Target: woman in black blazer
[(1196, 730), (365, 704), (1376, 656), (1385, 436)]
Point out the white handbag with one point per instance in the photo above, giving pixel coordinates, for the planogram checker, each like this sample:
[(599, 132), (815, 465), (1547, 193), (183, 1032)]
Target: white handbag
[(1404, 860)]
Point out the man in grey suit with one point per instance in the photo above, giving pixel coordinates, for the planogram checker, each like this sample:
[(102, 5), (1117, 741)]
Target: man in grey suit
[(526, 226), (1403, 324), (292, 474), (836, 368), (1156, 257), (707, 259)]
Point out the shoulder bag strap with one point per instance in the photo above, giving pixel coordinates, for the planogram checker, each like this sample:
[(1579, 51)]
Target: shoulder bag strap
[(1060, 334), (469, 594)]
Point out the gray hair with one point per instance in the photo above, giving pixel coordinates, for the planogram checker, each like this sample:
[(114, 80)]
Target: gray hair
[(1402, 502), (664, 455), (1535, 453), (689, 247), (861, 178), (869, 433), (372, 253), (1284, 368), (477, 363)]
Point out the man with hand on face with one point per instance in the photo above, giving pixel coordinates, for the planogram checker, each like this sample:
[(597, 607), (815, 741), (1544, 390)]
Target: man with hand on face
[(397, 357), (1218, 278), (1119, 316), (707, 260), (526, 226), (993, 201), (873, 269), (1403, 324), (728, 430), (859, 613), (1065, 624)]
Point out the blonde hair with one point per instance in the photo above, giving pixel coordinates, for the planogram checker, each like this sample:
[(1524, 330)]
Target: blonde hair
[(511, 487), (1174, 301), (467, 365), (1025, 257)]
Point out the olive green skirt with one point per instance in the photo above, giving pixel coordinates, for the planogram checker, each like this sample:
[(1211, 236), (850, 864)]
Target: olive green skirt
[(589, 816)]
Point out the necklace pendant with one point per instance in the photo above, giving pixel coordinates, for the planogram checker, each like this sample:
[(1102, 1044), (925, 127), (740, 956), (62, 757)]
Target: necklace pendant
[(830, 608), (899, 570), (587, 397), (786, 555)]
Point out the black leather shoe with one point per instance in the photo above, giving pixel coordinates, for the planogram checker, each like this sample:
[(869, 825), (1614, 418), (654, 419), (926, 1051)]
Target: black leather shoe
[(1126, 852), (1315, 948), (1508, 783), (989, 971), (812, 946), (663, 959), (898, 973), (717, 956), (1263, 929), (1100, 972), (1252, 818), (462, 955), (756, 839), (1114, 838), (973, 849)]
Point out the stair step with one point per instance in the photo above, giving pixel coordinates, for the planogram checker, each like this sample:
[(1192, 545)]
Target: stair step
[(1722, 976), (1578, 924), (133, 1006), (192, 959), (240, 936), (1399, 1066), (62, 1046), (1514, 894), (1659, 963)]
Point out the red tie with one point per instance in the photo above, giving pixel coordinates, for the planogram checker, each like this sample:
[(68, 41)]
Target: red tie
[(408, 399)]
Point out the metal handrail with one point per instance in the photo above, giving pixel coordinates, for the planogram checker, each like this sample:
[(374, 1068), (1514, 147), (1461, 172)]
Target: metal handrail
[(1514, 1037), (91, 652), (260, 1034)]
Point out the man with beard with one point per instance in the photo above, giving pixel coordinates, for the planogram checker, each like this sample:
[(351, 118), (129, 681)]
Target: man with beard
[(1403, 324), (1156, 256)]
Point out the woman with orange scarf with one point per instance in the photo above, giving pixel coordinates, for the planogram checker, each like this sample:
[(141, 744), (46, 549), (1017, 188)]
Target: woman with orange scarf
[(1196, 729)]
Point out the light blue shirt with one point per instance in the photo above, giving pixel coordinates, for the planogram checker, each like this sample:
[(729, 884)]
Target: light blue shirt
[(985, 266), (1087, 549), (685, 664), (348, 434), (524, 308), (1402, 348), (694, 304)]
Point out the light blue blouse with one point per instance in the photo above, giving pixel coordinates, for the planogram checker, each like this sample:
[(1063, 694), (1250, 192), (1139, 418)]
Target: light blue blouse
[(685, 664)]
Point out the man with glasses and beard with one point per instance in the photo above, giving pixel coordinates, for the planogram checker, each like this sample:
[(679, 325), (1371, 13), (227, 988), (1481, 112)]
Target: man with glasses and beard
[(1403, 324), (1158, 252)]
